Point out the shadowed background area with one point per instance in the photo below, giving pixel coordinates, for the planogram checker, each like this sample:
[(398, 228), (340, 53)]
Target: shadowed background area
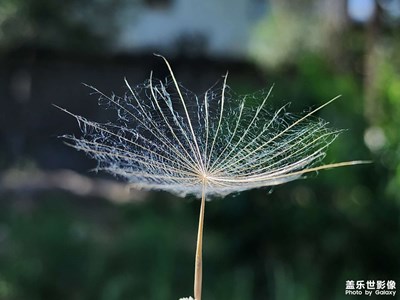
[(69, 233)]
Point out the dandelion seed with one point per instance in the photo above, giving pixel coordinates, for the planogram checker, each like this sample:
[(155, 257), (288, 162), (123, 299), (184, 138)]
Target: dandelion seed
[(167, 138)]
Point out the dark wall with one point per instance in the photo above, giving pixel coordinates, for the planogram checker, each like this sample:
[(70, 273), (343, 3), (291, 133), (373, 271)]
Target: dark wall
[(32, 80)]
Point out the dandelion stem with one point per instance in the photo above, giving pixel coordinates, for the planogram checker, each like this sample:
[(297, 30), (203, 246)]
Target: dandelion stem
[(198, 269)]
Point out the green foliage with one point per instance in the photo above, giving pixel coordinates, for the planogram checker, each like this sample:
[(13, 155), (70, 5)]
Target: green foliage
[(298, 243), (389, 120), (62, 25)]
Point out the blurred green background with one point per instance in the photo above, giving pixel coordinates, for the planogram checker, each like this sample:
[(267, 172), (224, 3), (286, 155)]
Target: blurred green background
[(68, 233)]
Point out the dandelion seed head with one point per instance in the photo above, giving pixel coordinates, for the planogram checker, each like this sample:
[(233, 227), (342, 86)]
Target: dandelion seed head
[(167, 138)]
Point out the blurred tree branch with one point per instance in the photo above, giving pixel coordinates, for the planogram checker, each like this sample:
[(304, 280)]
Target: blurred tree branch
[(372, 109), (26, 181)]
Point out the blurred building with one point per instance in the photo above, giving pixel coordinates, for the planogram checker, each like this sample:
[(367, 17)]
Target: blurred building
[(219, 28)]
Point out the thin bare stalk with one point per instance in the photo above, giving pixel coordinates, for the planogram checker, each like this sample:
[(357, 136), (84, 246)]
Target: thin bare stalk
[(198, 268)]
